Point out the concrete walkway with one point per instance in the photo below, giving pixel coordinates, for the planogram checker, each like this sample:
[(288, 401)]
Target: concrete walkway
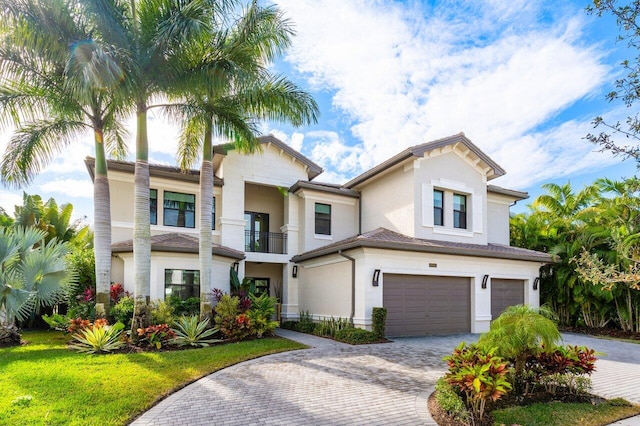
[(337, 384)]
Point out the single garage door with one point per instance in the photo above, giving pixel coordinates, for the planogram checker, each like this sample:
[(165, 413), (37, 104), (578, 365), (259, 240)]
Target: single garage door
[(418, 305), (505, 293)]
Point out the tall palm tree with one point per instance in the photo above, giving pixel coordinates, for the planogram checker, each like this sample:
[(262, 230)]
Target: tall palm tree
[(148, 35), (229, 89), (56, 84)]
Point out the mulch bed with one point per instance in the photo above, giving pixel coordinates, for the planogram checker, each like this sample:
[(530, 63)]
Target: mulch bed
[(604, 332)]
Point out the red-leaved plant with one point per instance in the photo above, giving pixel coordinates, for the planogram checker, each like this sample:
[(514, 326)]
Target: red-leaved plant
[(155, 335)]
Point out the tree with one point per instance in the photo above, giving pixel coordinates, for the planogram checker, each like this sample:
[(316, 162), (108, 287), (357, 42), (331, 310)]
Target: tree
[(628, 87), (32, 275), (57, 83), (229, 88)]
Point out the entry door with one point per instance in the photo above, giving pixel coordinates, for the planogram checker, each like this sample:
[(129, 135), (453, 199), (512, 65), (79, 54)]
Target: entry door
[(256, 232)]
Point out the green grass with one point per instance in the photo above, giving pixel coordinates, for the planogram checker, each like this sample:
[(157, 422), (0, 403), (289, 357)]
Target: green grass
[(44, 383), (561, 414)]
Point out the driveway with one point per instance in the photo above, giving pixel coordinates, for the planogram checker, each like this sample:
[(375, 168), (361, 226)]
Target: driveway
[(338, 384)]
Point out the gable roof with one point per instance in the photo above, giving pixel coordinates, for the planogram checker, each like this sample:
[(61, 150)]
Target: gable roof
[(418, 151), (177, 243), (155, 170), (383, 238), (518, 195), (313, 169)]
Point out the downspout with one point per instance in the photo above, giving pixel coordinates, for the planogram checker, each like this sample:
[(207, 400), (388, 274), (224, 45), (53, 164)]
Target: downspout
[(353, 285)]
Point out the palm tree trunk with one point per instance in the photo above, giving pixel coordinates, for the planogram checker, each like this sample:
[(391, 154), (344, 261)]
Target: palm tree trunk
[(141, 224), (102, 227), (206, 240)]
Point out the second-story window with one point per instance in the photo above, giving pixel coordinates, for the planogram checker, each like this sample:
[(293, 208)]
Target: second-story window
[(153, 206), (438, 207), (460, 211), (213, 214), (323, 219), (179, 209)]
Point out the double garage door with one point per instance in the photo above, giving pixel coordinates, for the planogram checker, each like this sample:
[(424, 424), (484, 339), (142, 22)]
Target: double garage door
[(418, 305)]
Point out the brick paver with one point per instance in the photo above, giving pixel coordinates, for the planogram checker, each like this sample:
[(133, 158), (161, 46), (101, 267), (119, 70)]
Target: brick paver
[(337, 384)]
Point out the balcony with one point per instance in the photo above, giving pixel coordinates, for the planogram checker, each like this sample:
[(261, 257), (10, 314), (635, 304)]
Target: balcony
[(265, 242)]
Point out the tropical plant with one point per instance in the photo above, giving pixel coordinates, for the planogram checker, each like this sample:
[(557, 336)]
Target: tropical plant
[(123, 310), (32, 274), (161, 312), (263, 308), (57, 321), (155, 336), (98, 339), (187, 307), (519, 332), (328, 327), (451, 402), (229, 88), (58, 83), (192, 332)]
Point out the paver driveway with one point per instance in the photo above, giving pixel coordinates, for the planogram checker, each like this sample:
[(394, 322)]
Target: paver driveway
[(337, 384)]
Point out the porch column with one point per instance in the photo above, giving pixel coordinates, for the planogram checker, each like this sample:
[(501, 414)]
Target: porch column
[(290, 306)]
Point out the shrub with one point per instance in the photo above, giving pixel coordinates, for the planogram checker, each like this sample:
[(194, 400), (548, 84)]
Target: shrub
[(263, 308), (82, 310), (478, 374), (379, 320), (306, 324), (355, 336), (232, 324), (78, 324), (161, 312), (98, 338), (191, 332), (116, 292), (329, 327), (155, 335), (451, 402), (57, 322), (289, 325), (188, 307), (123, 311)]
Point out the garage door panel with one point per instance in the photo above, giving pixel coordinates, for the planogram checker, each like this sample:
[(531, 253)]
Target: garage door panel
[(419, 305), (505, 293)]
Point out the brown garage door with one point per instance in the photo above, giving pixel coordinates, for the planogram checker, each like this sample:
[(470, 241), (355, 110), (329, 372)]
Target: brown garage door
[(418, 305), (505, 293)]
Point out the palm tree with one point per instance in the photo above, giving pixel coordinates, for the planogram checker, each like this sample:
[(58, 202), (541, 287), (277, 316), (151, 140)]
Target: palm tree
[(58, 83), (229, 88)]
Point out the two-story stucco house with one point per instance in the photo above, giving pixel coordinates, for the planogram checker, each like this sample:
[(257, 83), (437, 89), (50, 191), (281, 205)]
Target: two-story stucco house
[(422, 234)]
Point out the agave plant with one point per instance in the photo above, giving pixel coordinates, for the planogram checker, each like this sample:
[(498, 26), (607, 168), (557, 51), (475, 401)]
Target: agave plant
[(98, 339), (191, 332)]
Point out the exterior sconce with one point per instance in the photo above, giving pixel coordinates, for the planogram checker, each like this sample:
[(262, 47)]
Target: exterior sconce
[(376, 278), (484, 281), (294, 271), (536, 282), (236, 266)]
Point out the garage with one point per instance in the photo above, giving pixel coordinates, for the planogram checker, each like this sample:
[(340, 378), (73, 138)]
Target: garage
[(505, 293), (418, 305)]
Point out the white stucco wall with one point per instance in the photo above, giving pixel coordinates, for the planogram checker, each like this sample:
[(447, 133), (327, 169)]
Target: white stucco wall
[(498, 218), (325, 288)]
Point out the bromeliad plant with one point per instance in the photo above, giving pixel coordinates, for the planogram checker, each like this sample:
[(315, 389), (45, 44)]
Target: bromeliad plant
[(192, 332), (155, 335), (98, 338), (479, 375)]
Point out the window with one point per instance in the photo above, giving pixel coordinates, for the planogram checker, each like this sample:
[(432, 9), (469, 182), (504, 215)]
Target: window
[(260, 285), (438, 207), (213, 214), (323, 219), (153, 206), (179, 209), (459, 211), (181, 283)]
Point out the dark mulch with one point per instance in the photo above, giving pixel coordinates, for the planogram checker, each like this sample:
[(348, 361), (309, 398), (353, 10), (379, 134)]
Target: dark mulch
[(605, 332), (443, 419)]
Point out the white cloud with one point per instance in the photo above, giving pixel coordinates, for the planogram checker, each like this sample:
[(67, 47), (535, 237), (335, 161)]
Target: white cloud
[(405, 74), (76, 188), (8, 201), (294, 141)]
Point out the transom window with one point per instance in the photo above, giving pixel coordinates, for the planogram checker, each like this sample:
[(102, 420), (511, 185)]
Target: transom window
[(181, 283), (460, 211), (438, 207), (213, 214), (153, 206), (323, 219), (179, 209)]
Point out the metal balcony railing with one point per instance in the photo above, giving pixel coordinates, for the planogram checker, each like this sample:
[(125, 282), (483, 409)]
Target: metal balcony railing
[(265, 242)]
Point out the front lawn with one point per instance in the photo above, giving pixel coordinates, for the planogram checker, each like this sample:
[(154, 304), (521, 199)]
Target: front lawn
[(44, 383)]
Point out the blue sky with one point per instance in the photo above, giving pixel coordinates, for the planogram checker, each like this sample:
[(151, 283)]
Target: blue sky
[(522, 79)]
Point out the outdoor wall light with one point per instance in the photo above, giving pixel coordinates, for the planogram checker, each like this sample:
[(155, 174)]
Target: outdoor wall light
[(484, 281), (236, 266), (376, 278), (536, 282), (294, 271)]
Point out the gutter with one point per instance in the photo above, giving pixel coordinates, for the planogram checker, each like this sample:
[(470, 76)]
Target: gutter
[(353, 285)]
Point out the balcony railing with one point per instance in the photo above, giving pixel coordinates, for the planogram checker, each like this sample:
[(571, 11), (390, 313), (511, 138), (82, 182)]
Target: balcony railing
[(265, 242)]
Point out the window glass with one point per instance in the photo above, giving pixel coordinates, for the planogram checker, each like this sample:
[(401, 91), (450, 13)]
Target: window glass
[(460, 211), (438, 208), (153, 206), (179, 209), (181, 283), (323, 219), (213, 214)]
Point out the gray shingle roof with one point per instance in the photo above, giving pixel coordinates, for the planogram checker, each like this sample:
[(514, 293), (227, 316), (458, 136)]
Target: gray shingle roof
[(177, 243), (385, 239), (330, 188)]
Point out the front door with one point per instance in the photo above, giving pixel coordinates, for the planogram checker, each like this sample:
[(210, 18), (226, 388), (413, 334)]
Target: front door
[(256, 232)]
